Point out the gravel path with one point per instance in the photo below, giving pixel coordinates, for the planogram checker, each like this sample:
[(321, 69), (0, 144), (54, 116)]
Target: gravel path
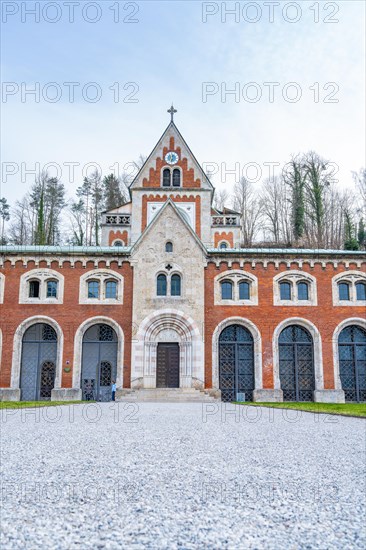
[(181, 476)]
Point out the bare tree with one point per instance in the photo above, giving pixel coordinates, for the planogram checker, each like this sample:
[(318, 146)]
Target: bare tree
[(249, 205), (221, 198), (276, 209)]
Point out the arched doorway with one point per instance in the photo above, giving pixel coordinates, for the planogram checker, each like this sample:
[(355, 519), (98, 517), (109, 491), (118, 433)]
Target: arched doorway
[(236, 364), (296, 358), (38, 364), (99, 362), (352, 362)]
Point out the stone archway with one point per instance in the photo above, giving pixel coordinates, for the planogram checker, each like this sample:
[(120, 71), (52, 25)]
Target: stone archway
[(168, 326)]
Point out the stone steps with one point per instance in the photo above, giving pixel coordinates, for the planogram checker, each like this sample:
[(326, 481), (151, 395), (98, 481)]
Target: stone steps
[(169, 395)]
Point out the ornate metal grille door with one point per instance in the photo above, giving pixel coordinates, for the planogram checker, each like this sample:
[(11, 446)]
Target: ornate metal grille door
[(38, 366), (296, 356), (236, 363), (99, 363), (352, 362)]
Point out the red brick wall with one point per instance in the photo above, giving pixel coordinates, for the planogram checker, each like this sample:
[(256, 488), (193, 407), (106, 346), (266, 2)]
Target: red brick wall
[(266, 316), (68, 315), (178, 198), (154, 179)]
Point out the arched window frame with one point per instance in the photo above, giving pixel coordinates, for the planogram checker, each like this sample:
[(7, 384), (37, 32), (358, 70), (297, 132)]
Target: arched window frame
[(169, 247), (180, 285), (171, 171), (118, 243), (160, 295), (351, 277), (43, 275), (223, 245), (102, 276), (169, 275), (236, 276), (294, 277)]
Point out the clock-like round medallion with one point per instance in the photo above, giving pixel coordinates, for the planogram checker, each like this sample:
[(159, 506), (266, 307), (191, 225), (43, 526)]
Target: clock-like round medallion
[(171, 157)]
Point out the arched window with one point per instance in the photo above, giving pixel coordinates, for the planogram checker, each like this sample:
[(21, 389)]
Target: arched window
[(285, 290), (52, 289), (118, 243), (175, 285), (343, 290), (34, 289), (169, 247), (161, 285), (302, 291), (360, 291), (111, 289), (223, 246), (226, 290), (176, 177), (244, 290), (93, 289), (166, 177)]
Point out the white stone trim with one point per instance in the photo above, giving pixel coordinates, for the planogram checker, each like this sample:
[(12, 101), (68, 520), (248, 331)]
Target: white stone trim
[(236, 276), (257, 341), (17, 348), (317, 346), (42, 275), (2, 287), (78, 348), (346, 323), (168, 325), (176, 270), (352, 277), (293, 277), (102, 276)]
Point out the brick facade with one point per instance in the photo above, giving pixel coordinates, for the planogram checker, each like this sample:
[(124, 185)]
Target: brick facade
[(174, 247)]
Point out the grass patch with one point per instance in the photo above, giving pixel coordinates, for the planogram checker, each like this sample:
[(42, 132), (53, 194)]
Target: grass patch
[(35, 404), (347, 409)]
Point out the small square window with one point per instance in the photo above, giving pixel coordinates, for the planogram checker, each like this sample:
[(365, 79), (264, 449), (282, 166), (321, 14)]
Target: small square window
[(244, 291), (111, 290), (226, 290), (303, 291)]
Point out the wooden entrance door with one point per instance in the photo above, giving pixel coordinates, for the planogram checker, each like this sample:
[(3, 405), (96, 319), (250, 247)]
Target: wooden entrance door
[(167, 366)]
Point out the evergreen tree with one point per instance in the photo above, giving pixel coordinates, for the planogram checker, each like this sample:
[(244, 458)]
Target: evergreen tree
[(350, 241), (112, 194), (361, 234)]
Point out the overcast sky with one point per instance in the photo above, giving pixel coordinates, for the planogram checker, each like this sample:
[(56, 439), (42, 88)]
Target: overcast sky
[(167, 51)]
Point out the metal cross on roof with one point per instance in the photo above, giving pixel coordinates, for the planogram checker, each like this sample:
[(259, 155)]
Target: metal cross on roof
[(172, 112)]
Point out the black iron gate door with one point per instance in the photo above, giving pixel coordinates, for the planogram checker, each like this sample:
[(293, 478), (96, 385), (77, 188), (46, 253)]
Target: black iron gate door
[(99, 363), (38, 365), (352, 362), (296, 357), (236, 363)]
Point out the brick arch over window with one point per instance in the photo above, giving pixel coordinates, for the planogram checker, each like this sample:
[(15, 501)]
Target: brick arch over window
[(78, 348), (254, 331), (17, 348), (317, 345)]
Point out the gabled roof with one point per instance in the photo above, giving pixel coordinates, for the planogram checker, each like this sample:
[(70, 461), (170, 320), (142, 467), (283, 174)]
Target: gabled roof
[(171, 126), (154, 221)]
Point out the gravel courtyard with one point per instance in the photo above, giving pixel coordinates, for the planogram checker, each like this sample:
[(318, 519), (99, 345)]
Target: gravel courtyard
[(181, 476)]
